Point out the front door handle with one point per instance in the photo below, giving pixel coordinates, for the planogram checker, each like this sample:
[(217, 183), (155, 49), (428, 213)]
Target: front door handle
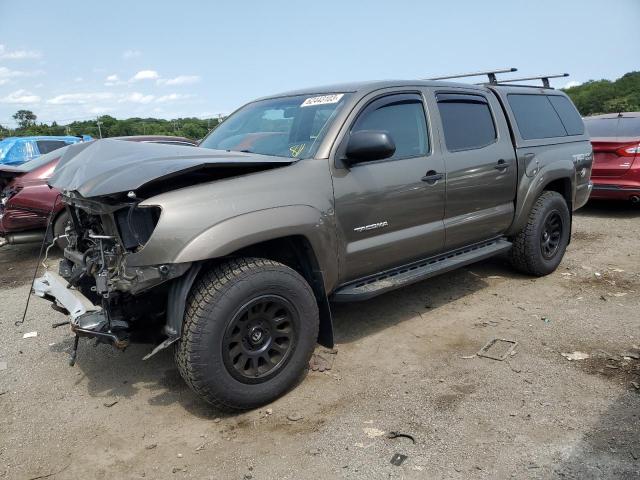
[(432, 177), (502, 165)]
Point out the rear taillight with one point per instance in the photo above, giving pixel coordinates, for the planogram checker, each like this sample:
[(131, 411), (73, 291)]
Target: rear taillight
[(629, 150)]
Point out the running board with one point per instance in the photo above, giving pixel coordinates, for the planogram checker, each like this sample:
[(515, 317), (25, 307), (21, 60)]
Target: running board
[(369, 287)]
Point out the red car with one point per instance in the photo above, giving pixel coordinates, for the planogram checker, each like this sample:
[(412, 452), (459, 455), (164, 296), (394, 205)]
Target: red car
[(616, 148), (27, 200)]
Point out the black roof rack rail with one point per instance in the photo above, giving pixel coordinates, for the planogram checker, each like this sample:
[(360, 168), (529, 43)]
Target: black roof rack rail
[(544, 78), (489, 73)]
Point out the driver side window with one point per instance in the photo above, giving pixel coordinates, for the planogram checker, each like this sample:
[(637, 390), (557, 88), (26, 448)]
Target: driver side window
[(402, 116)]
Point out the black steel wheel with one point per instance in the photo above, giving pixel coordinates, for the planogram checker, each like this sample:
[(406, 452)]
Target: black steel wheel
[(260, 338), (250, 328), (551, 234)]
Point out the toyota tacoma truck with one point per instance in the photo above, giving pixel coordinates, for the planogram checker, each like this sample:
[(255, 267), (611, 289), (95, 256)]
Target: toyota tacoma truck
[(232, 252)]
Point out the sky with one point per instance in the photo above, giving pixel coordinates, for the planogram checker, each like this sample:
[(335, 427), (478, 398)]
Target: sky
[(73, 60)]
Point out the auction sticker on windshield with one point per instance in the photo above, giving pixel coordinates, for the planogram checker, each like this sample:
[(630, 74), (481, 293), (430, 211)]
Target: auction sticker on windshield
[(322, 100)]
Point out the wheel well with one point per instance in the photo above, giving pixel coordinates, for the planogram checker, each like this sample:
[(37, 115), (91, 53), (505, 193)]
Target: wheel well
[(294, 252), (297, 253), (563, 187)]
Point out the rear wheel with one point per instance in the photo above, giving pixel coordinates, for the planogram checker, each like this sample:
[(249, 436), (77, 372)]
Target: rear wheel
[(250, 328), (539, 247)]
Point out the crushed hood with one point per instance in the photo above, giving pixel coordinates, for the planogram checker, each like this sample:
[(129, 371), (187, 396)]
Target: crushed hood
[(106, 167)]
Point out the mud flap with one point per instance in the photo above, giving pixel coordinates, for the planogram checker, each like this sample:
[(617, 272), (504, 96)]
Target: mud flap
[(177, 301)]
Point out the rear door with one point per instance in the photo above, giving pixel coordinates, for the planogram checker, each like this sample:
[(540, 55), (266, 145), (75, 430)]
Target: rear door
[(480, 164), (616, 144), (389, 212)]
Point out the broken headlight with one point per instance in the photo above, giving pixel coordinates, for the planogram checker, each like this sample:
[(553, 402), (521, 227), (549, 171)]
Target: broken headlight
[(136, 224)]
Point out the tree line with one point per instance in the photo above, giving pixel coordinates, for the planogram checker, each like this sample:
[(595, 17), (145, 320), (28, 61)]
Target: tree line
[(606, 96), (108, 126)]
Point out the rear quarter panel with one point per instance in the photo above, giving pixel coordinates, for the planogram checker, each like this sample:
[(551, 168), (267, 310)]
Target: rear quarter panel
[(541, 165), (542, 161), (31, 206)]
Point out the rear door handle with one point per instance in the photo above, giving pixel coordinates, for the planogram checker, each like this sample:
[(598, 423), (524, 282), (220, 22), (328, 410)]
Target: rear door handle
[(502, 165), (432, 177)]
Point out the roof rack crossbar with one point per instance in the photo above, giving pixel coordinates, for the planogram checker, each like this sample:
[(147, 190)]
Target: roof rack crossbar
[(544, 78), (489, 73)]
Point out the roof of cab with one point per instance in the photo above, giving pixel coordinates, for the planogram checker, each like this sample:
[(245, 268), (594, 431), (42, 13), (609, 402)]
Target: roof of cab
[(366, 87)]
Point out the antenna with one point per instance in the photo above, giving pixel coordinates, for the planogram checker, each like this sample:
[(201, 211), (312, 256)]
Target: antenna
[(544, 78), (489, 73)]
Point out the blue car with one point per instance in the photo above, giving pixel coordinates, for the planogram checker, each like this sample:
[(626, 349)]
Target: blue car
[(17, 150)]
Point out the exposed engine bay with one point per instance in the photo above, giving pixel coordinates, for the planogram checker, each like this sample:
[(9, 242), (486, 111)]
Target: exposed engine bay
[(125, 304)]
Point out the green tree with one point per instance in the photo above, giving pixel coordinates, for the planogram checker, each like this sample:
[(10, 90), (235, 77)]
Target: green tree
[(605, 96), (25, 118), (193, 130)]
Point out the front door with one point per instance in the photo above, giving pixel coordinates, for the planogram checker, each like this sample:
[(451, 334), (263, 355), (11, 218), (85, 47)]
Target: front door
[(390, 211)]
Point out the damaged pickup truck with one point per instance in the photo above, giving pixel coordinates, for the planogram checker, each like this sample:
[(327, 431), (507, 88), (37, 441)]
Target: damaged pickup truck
[(232, 251)]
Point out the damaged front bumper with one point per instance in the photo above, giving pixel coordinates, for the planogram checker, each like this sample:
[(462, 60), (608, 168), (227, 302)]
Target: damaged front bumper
[(85, 318), (107, 296)]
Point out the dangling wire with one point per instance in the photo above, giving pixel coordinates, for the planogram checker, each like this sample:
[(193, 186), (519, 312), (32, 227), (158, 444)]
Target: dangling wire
[(35, 272)]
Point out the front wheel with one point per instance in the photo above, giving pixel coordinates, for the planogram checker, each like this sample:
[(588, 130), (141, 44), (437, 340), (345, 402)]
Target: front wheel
[(250, 328), (539, 247)]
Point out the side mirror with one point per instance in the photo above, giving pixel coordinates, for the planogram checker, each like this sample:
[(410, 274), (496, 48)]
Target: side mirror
[(368, 145)]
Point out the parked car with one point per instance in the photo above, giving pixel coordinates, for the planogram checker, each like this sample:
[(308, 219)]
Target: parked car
[(27, 200), (15, 151), (233, 251), (616, 147)]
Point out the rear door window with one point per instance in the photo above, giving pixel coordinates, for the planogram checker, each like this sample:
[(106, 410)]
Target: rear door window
[(402, 116), (46, 146), (466, 120), (568, 114), (535, 116)]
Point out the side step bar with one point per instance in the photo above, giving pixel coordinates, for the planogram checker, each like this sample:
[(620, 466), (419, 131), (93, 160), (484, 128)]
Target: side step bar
[(369, 287)]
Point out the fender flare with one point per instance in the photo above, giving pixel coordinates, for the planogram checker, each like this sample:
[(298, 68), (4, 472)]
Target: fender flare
[(530, 191)]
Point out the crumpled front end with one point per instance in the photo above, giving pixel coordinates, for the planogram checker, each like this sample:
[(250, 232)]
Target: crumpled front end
[(113, 192), (105, 298)]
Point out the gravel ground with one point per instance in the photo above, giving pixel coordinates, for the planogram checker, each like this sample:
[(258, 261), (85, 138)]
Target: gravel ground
[(402, 365)]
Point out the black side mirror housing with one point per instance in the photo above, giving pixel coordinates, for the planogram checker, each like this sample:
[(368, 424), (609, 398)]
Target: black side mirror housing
[(368, 145)]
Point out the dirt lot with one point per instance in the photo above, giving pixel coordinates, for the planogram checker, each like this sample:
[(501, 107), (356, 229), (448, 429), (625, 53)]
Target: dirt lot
[(402, 365)]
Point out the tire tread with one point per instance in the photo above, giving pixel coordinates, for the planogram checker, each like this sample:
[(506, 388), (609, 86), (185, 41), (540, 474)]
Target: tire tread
[(524, 255), (204, 294)]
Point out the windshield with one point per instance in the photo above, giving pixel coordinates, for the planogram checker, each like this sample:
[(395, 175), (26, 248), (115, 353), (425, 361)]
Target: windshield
[(283, 127)]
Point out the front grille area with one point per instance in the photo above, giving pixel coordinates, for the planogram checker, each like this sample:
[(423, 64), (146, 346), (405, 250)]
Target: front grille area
[(136, 225)]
